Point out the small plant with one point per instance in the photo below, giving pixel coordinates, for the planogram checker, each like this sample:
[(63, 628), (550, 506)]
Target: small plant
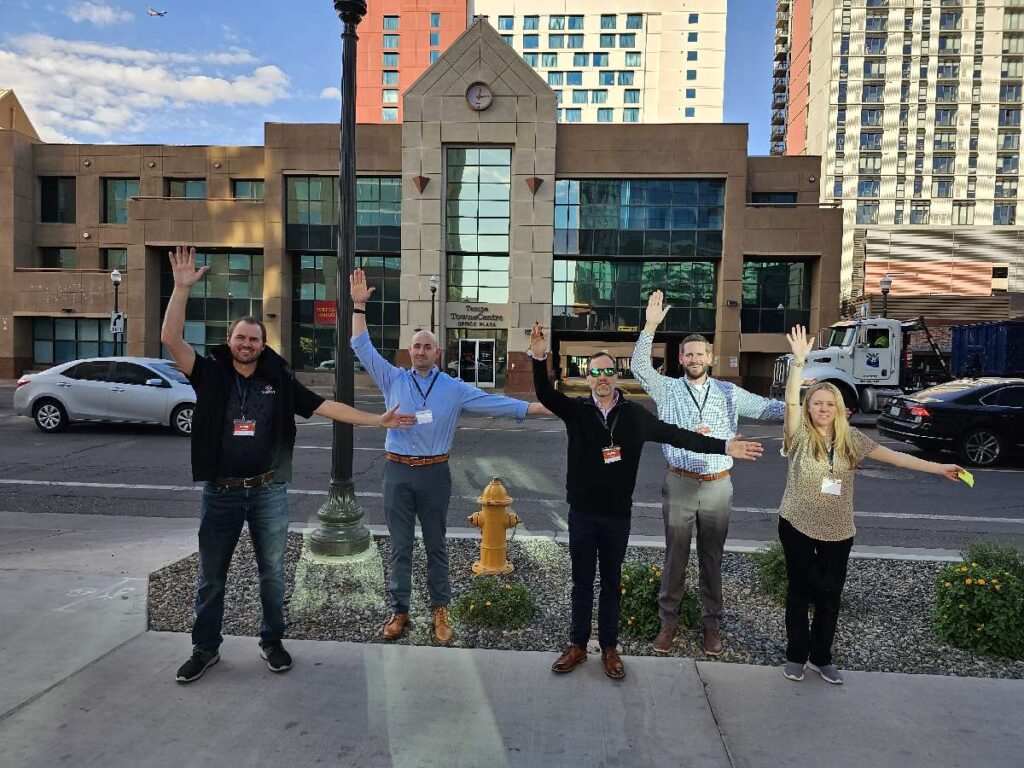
[(638, 607), (493, 604), (980, 609), (770, 564), (999, 557)]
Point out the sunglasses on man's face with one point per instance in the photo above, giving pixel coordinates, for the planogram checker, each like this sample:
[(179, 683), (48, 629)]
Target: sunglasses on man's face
[(595, 372)]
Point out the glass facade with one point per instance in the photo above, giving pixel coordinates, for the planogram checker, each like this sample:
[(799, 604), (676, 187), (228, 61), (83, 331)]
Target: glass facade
[(114, 258), (193, 189), (247, 189), (611, 295), (233, 288), (776, 296), (640, 217), (116, 194), (58, 340), (477, 212), (57, 199)]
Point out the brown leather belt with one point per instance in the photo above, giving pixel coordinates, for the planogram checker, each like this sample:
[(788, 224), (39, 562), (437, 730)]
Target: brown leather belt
[(698, 476), (417, 461), (256, 481)]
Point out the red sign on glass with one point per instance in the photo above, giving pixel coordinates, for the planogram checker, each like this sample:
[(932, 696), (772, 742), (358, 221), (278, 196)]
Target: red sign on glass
[(325, 312)]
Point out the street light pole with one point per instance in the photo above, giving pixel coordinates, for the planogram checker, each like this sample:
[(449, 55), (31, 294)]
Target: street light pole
[(435, 280), (342, 531), (886, 285), (115, 278)]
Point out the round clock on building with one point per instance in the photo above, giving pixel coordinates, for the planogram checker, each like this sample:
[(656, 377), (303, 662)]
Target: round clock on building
[(479, 96)]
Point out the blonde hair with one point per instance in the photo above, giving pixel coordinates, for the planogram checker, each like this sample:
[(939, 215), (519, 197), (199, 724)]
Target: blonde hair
[(843, 437)]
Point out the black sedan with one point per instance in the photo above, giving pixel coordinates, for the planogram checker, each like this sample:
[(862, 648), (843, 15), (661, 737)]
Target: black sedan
[(982, 420)]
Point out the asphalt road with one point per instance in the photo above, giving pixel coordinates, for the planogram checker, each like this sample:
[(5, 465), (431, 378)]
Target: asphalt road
[(136, 470)]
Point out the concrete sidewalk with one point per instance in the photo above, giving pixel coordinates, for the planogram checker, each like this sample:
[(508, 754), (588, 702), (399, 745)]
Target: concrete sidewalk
[(87, 685)]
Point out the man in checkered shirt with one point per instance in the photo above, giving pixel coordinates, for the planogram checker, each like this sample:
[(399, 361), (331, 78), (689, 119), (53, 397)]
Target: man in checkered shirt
[(698, 488)]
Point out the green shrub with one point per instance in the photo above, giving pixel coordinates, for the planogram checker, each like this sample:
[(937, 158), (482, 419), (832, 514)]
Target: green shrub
[(638, 609), (980, 609), (770, 564), (999, 557), (493, 604)]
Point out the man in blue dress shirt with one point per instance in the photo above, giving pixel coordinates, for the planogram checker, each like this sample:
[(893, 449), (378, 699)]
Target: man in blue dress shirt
[(417, 481)]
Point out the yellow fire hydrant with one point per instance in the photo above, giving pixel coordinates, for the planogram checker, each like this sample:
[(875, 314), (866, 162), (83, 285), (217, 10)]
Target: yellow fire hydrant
[(493, 519)]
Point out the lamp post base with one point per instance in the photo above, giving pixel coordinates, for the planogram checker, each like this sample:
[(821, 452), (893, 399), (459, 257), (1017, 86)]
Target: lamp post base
[(342, 532)]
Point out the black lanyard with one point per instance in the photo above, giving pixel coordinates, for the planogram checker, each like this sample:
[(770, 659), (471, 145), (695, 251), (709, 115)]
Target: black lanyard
[(417, 385), (243, 393), (700, 406), (832, 459), (609, 427)]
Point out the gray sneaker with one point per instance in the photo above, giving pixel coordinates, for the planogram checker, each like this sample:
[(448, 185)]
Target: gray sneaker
[(828, 673), (793, 671)]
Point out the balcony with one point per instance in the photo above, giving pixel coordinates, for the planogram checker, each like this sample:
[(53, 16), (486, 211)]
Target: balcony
[(778, 117), (779, 101), (778, 148), (780, 85), (781, 68), (778, 133), (782, 20), (781, 52)]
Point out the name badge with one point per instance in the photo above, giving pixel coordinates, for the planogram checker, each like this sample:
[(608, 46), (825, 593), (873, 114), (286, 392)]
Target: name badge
[(425, 416), (831, 487), (703, 429), (612, 454), (244, 428)]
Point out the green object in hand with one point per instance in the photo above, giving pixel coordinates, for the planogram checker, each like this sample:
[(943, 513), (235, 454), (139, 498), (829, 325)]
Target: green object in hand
[(967, 477)]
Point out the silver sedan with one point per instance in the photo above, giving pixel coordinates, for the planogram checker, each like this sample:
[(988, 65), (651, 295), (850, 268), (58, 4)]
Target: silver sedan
[(137, 390)]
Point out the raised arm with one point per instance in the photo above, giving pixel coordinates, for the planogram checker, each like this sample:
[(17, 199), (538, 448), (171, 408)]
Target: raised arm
[(381, 371), (556, 402), (652, 381), (906, 461), (801, 345), (360, 294), (172, 334)]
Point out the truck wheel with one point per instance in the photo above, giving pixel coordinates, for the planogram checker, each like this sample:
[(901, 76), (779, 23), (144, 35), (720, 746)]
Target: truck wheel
[(981, 447), (50, 415), (181, 419)]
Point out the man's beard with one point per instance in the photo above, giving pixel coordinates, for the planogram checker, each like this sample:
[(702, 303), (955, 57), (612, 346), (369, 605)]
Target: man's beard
[(237, 357), (704, 369)]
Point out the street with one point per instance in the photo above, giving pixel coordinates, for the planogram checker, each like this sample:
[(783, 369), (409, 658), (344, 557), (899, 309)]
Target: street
[(144, 471)]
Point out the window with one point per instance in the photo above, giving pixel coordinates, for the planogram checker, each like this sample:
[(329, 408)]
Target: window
[(1004, 215), (1012, 67), (837, 187), (606, 77), (607, 21), (574, 78), (57, 258), (556, 41), (598, 97), (872, 93), (867, 213), (963, 213), (868, 187), (627, 41), (631, 96), (774, 199), (581, 59), (634, 21), (573, 115), (919, 213), (625, 78), (949, 44), (943, 164), (1008, 141), (390, 59), (247, 189), (1010, 397), (633, 59), (531, 22), (389, 77), (630, 115), (874, 68), (548, 60), (580, 97), (390, 95), (1010, 92), (192, 189), (391, 22), (605, 115), (600, 59), (435, 20), (63, 339), (691, 37), (389, 114), (874, 46), (691, 93), (691, 74), (694, 18), (1006, 188), (942, 187), (57, 199), (114, 258), (508, 39), (434, 56), (871, 116), (945, 117), (946, 93), (116, 193), (840, 141), (390, 41), (871, 141), (768, 285), (875, 21), (576, 22), (556, 22), (607, 41), (555, 78), (558, 98), (949, 69), (870, 164), (435, 39), (950, 20), (691, 55), (1013, 43), (575, 41), (506, 23), (1009, 117)]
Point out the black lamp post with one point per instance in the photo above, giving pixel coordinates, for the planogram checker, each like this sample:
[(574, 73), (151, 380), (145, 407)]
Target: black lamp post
[(435, 280), (342, 531), (886, 285), (115, 278)]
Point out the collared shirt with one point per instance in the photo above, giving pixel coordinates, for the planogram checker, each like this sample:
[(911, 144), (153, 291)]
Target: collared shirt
[(605, 411), (446, 401), (683, 404)]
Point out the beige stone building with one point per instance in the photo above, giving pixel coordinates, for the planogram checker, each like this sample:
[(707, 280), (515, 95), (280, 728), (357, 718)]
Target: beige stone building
[(521, 218)]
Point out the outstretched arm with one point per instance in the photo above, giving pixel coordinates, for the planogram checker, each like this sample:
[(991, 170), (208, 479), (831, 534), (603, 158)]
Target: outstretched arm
[(172, 334), (349, 415), (652, 381), (906, 461), (799, 343)]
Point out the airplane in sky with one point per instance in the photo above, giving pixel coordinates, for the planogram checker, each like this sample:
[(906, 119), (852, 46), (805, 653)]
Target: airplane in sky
[(155, 12)]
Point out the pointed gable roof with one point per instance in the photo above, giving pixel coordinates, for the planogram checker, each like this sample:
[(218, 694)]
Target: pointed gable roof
[(13, 116)]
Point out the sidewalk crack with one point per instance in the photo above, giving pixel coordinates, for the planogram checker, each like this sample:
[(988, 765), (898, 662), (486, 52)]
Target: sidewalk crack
[(714, 715)]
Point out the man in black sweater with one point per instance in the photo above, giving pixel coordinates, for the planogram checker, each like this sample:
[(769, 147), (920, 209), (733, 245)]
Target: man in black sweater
[(606, 438)]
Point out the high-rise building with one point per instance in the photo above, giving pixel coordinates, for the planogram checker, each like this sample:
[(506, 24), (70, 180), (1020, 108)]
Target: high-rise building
[(656, 61), (915, 109), (398, 40)]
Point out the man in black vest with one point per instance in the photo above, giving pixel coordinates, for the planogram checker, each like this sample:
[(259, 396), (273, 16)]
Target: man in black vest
[(243, 434)]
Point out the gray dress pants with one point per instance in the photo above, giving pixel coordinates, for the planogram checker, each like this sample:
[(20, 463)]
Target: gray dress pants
[(685, 502)]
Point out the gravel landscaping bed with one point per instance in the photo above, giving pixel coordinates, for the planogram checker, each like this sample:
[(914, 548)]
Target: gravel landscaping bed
[(884, 626)]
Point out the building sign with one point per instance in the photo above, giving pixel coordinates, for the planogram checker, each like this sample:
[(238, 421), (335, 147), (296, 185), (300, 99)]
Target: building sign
[(325, 312), (477, 315)]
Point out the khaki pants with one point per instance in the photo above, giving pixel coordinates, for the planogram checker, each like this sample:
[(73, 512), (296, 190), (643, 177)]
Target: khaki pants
[(685, 502)]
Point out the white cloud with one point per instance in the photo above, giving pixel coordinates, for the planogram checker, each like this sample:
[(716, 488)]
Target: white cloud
[(80, 88), (331, 93), (98, 13)]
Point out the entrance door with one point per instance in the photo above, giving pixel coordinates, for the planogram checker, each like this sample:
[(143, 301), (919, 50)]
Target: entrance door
[(476, 362)]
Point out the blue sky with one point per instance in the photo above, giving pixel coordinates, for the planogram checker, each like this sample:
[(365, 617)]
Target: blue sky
[(212, 71)]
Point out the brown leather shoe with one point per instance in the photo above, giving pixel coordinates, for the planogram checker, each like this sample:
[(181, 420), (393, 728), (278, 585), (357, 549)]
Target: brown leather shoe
[(663, 642), (574, 656), (395, 626), (613, 666), (713, 641), (442, 626)]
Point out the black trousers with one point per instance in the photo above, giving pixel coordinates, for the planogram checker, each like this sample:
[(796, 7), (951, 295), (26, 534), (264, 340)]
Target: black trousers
[(817, 572), (596, 539)]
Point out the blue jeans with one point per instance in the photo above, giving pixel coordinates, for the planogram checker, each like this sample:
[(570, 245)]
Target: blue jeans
[(222, 513)]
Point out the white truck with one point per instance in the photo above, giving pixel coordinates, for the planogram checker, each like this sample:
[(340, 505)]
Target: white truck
[(868, 359)]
